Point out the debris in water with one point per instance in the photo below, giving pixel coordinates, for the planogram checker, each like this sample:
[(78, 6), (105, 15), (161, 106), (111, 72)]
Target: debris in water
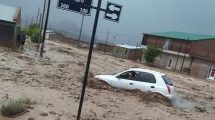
[(200, 109)]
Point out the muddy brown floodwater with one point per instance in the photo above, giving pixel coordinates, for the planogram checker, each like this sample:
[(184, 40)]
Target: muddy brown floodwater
[(55, 82)]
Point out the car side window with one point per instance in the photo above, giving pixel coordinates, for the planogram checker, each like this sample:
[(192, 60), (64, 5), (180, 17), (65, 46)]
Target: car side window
[(146, 77), (130, 75)]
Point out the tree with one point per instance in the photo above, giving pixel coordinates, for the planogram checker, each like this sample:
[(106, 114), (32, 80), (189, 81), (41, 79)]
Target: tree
[(33, 31), (151, 53)]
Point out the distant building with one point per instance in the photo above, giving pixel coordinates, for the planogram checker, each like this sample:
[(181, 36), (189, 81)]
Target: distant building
[(10, 19), (52, 35), (104, 47), (184, 52), (49, 34), (128, 52)]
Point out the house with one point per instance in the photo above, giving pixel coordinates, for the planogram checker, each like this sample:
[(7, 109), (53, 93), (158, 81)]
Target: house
[(52, 35), (49, 34), (128, 52), (185, 52), (104, 47), (10, 19)]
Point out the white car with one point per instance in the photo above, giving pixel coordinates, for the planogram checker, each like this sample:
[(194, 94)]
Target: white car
[(142, 79)]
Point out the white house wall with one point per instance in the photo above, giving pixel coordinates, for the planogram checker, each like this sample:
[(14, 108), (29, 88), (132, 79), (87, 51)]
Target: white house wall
[(163, 59)]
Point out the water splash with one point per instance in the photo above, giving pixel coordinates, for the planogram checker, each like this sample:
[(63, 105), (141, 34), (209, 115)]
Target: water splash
[(182, 103)]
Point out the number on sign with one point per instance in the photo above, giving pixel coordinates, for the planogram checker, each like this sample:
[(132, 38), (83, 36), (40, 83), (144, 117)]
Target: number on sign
[(65, 6), (81, 1), (83, 10)]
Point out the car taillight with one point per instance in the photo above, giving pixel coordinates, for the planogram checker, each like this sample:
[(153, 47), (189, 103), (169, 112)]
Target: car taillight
[(168, 88)]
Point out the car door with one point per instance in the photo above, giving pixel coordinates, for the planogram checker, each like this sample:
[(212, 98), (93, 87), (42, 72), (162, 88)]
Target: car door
[(145, 82), (125, 81)]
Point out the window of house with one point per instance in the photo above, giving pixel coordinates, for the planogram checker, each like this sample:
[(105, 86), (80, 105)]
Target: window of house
[(213, 72), (126, 52), (209, 72), (167, 44), (117, 51), (170, 63), (121, 53)]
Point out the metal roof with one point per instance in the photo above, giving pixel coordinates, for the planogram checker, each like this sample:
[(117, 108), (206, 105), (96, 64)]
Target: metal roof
[(183, 36), (7, 13), (129, 46)]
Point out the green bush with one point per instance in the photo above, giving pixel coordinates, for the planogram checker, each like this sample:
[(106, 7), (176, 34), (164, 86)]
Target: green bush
[(33, 31), (12, 108), (35, 38), (151, 53)]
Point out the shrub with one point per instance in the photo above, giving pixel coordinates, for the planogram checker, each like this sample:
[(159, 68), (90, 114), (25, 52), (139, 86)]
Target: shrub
[(12, 108), (151, 53), (35, 38), (33, 31)]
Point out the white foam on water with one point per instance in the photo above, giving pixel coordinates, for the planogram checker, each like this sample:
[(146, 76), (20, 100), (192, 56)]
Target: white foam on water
[(182, 103)]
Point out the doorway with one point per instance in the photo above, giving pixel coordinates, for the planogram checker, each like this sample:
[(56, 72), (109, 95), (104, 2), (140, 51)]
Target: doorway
[(169, 65), (211, 73)]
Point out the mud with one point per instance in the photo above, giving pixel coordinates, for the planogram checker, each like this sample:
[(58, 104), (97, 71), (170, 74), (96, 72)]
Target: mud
[(55, 83), (143, 96)]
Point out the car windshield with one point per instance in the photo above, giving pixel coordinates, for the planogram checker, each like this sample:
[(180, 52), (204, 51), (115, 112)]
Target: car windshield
[(167, 80)]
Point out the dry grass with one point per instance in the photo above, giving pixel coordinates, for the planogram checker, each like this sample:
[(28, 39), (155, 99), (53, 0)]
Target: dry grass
[(12, 108)]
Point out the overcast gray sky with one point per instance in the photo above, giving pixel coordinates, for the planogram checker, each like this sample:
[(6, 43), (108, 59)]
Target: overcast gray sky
[(138, 16)]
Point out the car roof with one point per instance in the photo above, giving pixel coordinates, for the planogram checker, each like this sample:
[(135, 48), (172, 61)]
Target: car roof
[(146, 70)]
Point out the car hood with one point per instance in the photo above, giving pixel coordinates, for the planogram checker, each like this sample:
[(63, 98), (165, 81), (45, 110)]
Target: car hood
[(104, 77)]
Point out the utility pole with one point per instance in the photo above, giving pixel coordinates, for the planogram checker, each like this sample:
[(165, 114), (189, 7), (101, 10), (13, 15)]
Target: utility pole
[(32, 20), (45, 28), (26, 23), (82, 21), (41, 23), (135, 53), (89, 59), (177, 57), (40, 19), (114, 38), (106, 40), (38, 13), (184, 56), (50, 26)]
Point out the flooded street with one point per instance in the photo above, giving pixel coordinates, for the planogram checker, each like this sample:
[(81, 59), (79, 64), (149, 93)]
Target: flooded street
[(54, 82)]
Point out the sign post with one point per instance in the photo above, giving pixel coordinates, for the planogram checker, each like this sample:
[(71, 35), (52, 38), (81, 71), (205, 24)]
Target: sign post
[(89, 59)]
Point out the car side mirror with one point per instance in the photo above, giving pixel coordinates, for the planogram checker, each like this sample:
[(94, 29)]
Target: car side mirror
[(118, 76)]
